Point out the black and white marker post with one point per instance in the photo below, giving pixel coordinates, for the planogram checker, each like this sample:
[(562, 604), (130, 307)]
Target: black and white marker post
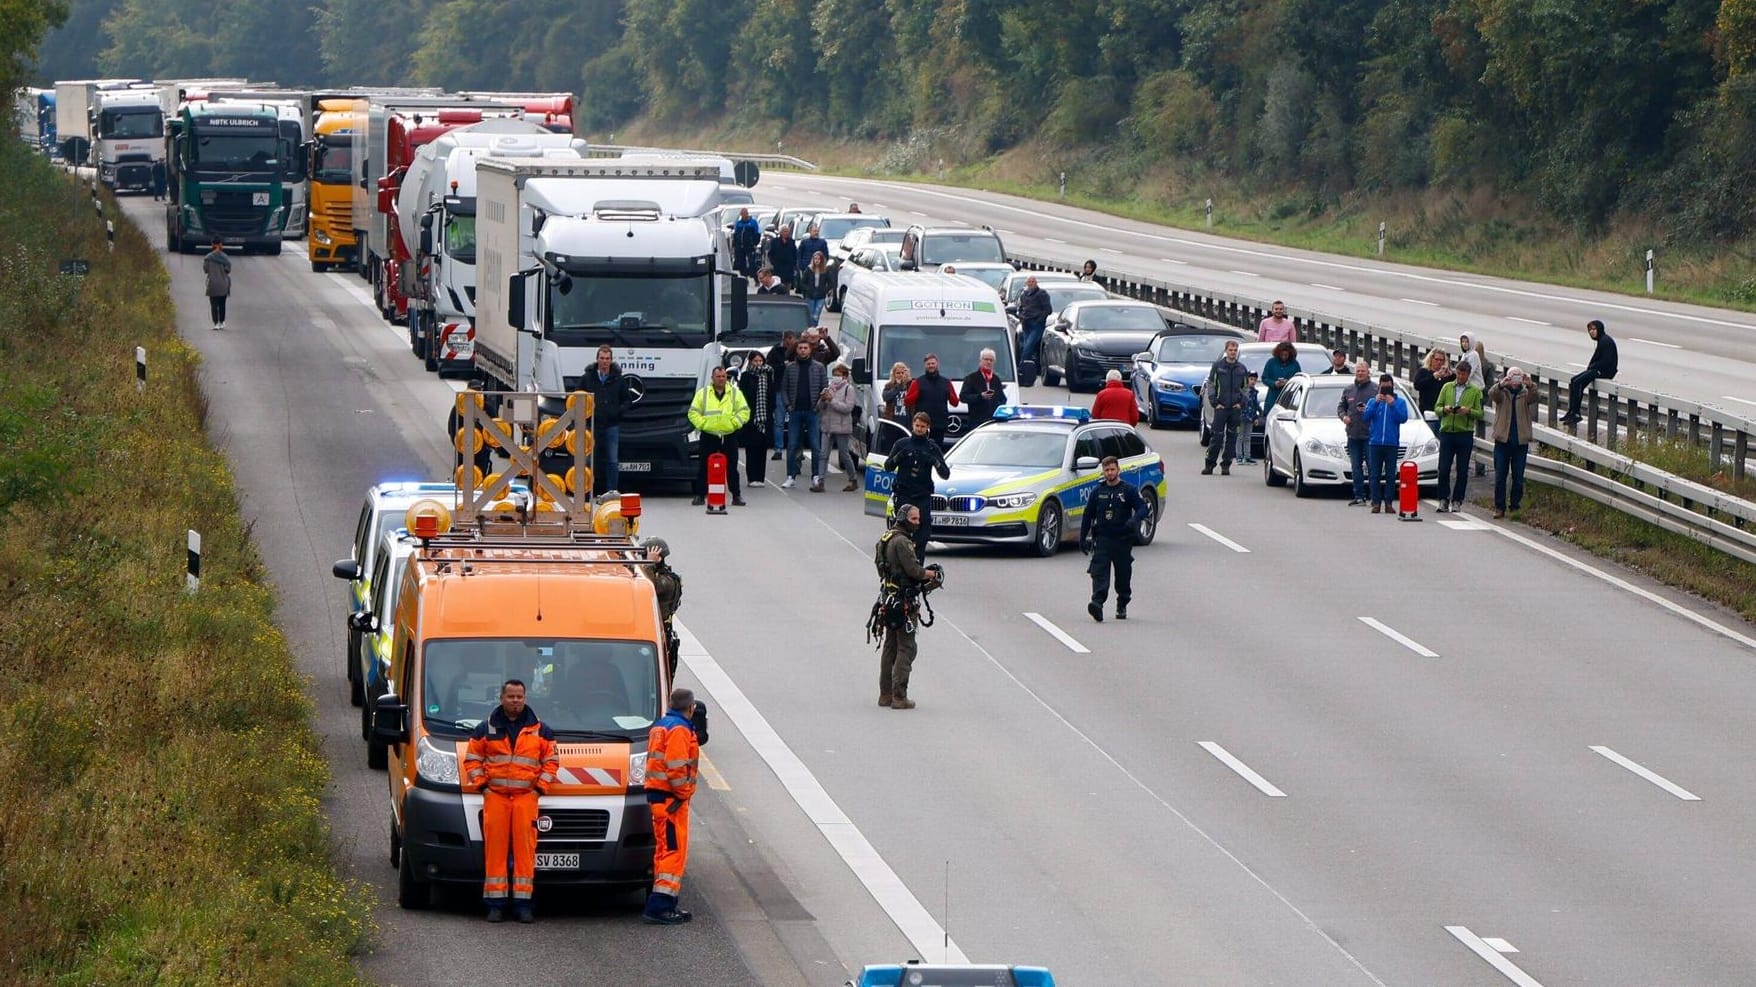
[(140, 368), (192, 581), (110, 234)]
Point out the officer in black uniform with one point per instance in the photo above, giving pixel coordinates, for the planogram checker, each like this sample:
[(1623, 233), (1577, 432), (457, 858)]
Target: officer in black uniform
[(914, 460), (1107, 532)]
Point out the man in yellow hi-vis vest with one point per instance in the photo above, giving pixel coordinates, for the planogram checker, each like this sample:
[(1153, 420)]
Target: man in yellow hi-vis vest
[(717, 412)]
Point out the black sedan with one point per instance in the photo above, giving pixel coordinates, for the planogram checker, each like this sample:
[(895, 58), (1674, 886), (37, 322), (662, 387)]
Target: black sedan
[(1087, 339)]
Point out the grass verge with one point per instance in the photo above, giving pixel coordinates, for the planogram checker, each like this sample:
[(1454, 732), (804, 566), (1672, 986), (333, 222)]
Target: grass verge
[(159, 777)]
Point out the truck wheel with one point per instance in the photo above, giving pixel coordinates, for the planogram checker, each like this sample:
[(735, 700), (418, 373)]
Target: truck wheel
[(273, 249), (412, 893), (429, 332), (356, 688)]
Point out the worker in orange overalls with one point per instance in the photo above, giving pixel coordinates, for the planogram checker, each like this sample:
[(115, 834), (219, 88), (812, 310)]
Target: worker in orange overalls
[(511, 760), (672, 763)]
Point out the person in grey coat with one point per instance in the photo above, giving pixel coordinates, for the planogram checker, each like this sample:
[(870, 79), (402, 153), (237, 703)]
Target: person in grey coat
[(1351, 409), (218, 268), (1227, 384), (835, 410)]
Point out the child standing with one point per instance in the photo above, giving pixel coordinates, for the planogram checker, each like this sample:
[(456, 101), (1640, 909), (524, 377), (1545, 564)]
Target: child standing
[(1247, 418)]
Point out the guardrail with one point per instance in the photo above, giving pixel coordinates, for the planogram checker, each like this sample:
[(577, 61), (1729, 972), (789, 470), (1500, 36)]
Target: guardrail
[(766, 160), (1611, 410)]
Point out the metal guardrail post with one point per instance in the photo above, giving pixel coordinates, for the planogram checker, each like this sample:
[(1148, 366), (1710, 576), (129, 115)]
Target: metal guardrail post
[(1715, 447)]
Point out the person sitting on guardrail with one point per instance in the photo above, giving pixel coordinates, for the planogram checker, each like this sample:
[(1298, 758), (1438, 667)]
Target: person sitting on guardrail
[(1601, 367), (1277, 328), (1514, 409), (1471, 351)]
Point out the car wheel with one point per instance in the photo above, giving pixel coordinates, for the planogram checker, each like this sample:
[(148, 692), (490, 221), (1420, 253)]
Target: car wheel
[(356, 688), (1206, 436), (1149, 526), (1048, 539), (1152, 416), (412, 893), (1300, 487), (835, 302), (1051, 378), (1269, 476)]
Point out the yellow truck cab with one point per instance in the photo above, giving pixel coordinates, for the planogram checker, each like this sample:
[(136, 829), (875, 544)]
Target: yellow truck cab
[(554, 593), (330, 241)]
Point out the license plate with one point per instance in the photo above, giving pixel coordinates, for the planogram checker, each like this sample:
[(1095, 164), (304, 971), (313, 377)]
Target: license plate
[(557, 861), (950, 521), (461, 347), (635, 467)]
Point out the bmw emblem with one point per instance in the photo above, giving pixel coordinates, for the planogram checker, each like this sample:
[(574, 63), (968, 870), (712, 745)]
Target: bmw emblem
[(635, 387), (544, 824)]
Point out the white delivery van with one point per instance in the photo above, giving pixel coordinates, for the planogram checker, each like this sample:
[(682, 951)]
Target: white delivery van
[(890, 318)]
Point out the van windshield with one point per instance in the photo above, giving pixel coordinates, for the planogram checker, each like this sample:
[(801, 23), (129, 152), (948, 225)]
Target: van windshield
[(959, 348), (573, 685)]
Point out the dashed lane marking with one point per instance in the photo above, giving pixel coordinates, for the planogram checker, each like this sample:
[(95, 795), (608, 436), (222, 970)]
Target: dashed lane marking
[(1057, 633), (1649, 775), (1397, 636), (1247, 274), (1528, 322), (1222, 539), (1419, 301), (1327, 287), (1654, 342), (1244, 770), (1481, 947)]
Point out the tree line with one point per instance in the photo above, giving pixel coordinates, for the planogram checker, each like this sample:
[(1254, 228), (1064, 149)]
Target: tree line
[(1588, 107)]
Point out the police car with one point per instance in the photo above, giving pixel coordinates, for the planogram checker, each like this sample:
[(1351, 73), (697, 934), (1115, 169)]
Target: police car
[(917, 974), (1024, 477)]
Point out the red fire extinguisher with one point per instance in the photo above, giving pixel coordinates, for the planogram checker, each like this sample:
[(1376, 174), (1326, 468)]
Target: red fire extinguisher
[(1408, 491), (716, 483)]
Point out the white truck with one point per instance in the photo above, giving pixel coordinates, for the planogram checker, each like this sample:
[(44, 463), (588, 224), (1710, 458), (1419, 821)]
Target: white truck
[(73, 99), (292, 105), (436, 218), (128, 135), (577, 254)]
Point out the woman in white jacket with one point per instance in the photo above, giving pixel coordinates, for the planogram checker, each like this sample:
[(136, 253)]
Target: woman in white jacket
[(835, 416)]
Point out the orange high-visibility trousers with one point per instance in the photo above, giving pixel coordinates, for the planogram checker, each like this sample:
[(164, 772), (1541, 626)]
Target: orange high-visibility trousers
[(509, 821), (670, 845)]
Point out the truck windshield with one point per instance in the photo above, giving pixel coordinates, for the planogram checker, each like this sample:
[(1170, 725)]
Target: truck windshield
[(238, 152), (658, 310), (573, 685), (460, 238), (130, 124), (959, 348), (335, 163)]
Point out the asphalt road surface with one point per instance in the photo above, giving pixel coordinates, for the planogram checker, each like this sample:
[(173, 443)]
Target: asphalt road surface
[(1328, 748), (1702, 354)]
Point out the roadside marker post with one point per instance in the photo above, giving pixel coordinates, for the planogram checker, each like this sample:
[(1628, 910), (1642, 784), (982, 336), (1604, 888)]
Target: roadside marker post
[(140, 368), (192, 581)]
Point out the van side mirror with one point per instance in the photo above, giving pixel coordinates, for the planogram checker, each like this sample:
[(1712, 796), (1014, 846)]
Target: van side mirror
[(390, 721), (860, 371), (348, 569)]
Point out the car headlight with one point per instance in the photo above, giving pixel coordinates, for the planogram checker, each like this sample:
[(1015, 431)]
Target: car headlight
[(321, 237), (1428, 448), (1170, 386), (435, 765), (637, 770), (1010, 502), (1329, 449), (1084, 351)]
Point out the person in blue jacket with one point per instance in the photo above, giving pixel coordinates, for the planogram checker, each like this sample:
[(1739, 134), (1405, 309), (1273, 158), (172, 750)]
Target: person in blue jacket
[(1384, 416)]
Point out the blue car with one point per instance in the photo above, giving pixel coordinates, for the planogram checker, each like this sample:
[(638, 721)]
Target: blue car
[(1168, 374), (952, 975)]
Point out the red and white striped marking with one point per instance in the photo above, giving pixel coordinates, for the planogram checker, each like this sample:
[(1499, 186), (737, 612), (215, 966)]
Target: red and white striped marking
[(589, 776)]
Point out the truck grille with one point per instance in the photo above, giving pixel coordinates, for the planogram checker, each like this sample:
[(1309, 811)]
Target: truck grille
[(663, 410), (230, 212), (341, 214), (577, 824)]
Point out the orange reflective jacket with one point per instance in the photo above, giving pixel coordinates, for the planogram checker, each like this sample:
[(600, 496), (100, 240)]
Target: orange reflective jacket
[(672, 757), (510, 758)]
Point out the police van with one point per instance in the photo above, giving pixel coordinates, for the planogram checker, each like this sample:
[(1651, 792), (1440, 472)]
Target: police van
[(891, 318)]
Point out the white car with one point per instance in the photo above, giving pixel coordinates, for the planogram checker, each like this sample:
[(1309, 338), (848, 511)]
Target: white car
[(987, 272), (1304, 440), (1013, 286), (882, 258)]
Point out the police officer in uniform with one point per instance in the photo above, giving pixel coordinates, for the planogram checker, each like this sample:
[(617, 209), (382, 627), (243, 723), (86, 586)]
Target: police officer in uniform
[(903, 581), (914, 460), (669, 587), (1107, 531)]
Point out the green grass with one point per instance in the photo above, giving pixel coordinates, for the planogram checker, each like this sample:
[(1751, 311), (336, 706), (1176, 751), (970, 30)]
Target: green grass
[(159, 777)]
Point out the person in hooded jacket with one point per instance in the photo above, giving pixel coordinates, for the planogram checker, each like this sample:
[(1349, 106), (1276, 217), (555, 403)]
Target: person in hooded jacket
[(1603, 366), (1115, 401), (835, 410)]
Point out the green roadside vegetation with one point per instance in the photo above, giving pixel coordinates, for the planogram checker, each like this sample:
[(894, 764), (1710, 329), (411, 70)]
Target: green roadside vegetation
[(159, 776)]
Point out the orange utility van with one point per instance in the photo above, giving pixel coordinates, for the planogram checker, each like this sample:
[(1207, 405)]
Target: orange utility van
[(552, 592)]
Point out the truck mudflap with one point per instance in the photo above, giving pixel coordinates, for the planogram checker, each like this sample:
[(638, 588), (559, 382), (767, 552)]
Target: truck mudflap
[(582, 840)]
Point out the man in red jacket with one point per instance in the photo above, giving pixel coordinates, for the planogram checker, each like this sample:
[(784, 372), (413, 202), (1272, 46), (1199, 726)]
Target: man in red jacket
[(1115, 402)]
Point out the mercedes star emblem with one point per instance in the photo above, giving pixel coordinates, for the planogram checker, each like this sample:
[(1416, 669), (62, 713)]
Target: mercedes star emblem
[(635, 387)]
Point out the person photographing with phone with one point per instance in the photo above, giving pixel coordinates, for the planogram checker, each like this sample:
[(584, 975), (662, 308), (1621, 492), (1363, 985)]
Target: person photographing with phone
[(1459, 405), (1383, 416)]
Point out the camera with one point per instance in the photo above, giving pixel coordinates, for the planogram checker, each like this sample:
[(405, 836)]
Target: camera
[(1387, 389)]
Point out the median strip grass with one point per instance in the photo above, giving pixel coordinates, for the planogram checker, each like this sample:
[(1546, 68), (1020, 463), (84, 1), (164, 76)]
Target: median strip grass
[(159, 776)]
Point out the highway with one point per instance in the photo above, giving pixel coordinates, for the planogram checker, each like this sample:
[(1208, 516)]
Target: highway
[(1703, 354), (1329, 748)]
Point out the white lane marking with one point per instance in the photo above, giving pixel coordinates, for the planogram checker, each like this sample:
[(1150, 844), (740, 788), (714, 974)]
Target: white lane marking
[(1456, 525), (1248, 274), (911, 212), (1625, 585), (1649, 775), (1057, 633), (1173, 260), (1327, 287), (927, 936), (1398, 637), (1728, 397), (1419, 301), (1528, 322), (1654, 342), (1206, 837), (1109, 250), (1499, 945), (1003, 232), (1222, 539), (877, 205), (1336, 265), (1051, 239), (1480, 947), (1244, 771)]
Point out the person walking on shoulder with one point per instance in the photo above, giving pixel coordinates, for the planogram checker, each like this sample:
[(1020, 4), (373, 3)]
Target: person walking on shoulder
[(717, 413), (218, 268), (1277, 328), (511, 760), (1459, 406), (1514, 401), (1108, 532), (1603, 366), (673, 764), (1115, 401)]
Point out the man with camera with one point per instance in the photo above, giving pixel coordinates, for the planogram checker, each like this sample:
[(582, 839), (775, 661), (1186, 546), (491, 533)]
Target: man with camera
[(903, 581), (1107, 532)]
